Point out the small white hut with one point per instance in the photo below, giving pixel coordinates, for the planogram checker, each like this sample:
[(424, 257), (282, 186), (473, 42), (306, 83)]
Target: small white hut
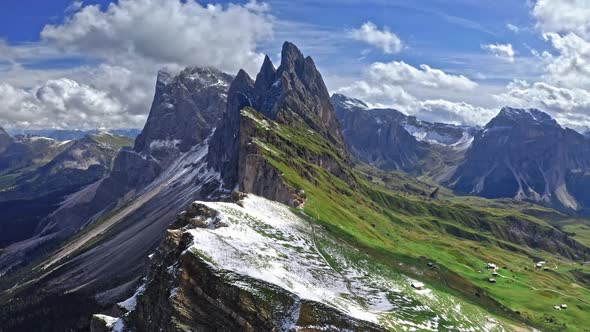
[(417, 285)]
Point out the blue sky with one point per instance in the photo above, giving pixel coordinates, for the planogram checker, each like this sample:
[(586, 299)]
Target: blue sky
[(456, 61), (436, 33)]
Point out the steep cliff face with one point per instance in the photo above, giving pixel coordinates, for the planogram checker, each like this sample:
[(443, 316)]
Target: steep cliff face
[(5, 139), (168, 152), (256, 174), (527, 155), (184, 112), (293, 95)]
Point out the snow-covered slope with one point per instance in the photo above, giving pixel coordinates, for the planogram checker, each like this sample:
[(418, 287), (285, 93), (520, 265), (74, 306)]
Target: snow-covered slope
[(268, 241)]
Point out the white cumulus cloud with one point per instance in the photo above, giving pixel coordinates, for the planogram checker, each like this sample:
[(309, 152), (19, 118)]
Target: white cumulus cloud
[(503, 51), (166, 31), (563, 16), (63, 103), (130, 40), (384, 39), (571, 66), (422, 91), (403, 74)]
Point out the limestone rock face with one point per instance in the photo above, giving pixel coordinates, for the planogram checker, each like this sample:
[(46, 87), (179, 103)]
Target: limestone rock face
[(256, 175), (527, 155), (185, 110)]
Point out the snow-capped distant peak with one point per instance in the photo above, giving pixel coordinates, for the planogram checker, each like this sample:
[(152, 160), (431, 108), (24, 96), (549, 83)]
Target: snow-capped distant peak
[(429, 133), (525, 114), (349, 103)]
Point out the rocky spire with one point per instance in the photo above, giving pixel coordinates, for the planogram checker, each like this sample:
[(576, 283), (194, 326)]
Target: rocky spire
[(267, 75), (224, 148), (293, 92), (304, 92), (291, 58)]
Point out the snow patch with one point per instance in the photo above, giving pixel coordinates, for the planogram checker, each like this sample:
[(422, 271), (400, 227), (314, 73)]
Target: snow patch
[(267, 241), (164, 144), (131, 302)]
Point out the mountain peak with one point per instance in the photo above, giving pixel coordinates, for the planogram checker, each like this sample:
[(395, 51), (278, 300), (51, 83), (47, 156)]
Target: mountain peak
[(510, 115), (267, 75), (526, 113), (348, 103), (291, 56), (293, 94), (185, 109), (164, 77)]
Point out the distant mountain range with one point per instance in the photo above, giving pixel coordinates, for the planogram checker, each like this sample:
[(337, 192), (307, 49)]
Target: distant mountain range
[(66, 135), (391, 140), (36, 173), (521, 153)]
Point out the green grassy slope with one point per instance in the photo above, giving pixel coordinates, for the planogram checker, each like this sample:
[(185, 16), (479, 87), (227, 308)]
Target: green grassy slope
[(406, 231)]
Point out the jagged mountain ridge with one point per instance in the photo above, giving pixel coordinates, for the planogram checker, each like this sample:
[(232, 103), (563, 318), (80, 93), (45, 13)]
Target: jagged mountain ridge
[(148, 186), (527, 155), (71, 134), (285, 159), (167, 292), (521, 153), (293, 94), (391, 140)]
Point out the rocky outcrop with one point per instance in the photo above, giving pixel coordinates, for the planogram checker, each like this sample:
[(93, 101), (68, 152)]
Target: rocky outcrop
[(185, 292), (527, 155)]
